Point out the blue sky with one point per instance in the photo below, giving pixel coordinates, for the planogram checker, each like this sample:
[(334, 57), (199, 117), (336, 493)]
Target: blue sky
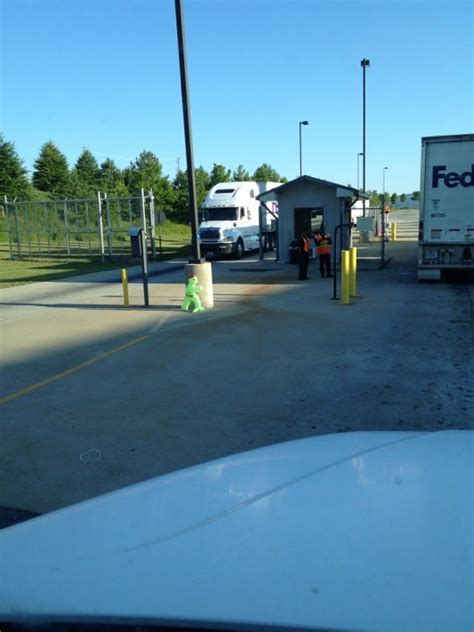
[(105, 75)]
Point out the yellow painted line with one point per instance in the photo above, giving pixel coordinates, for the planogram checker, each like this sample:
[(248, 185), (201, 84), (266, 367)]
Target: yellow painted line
[(73, 369)]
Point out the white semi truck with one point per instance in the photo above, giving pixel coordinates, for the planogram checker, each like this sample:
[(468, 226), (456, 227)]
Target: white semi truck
[(234, 221), (446, 238)]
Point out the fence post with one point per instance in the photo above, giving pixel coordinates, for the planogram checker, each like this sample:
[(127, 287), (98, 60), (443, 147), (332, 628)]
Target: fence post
[(48, 232), (142, 206), (88, 228), (66, 228), (100, 226), (152, 223), (7, 219), (109, 226), (17, 229)]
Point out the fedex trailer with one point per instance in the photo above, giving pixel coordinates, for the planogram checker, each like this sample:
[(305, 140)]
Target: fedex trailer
[(234, 221), (446, 237)]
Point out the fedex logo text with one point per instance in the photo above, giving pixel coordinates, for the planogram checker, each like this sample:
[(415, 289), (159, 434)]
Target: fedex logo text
[(452, 179)]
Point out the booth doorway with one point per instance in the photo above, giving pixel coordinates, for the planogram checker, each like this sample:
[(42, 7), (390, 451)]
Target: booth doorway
[(308, 220)]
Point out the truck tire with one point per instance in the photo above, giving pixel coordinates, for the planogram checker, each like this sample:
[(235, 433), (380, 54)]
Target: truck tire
[(239, 249)]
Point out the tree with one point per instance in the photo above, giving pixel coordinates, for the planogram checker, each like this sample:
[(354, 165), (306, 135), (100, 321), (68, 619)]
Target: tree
[(203, 184), (403, 197), (240, 174), (85, 176), (180, 204), (111, 179), (219, 174), (415, 195), (51, 172), (374, 198), (393, 199), (266, 173), (13, 175), (146, 172)]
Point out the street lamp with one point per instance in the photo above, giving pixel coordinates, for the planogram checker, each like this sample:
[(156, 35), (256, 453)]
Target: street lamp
[(187, 131), (383, 186), (358, 156), (301, 157), (365, 63)]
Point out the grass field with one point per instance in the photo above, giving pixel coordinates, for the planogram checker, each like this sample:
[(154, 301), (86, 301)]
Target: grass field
[(175, 243)]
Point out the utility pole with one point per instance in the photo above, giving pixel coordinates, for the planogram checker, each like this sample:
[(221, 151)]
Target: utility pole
[(365, 63), (187, 132)]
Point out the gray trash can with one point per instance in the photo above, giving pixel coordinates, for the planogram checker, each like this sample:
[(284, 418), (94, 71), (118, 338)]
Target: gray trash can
[(136, 241)]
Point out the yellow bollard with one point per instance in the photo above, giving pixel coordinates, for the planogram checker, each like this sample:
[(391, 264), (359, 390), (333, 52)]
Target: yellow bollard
[(345, 278), (126, 300), (353, 271), (393, 236)]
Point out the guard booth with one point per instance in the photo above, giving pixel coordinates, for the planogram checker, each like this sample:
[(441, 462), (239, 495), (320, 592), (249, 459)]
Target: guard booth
[(309, 204)]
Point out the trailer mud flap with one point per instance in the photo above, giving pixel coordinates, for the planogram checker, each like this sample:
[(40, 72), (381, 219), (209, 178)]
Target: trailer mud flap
[(429, 275)]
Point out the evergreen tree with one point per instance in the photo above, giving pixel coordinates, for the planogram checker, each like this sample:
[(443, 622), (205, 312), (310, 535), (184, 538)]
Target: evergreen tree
[(111, 180), (85, 176), (51, 171), (14, 182), (393, 199), (240, 174), (266, 173), (203, 184), (219, 174), (180, 205), (375, 198), (146, 172), (403, 197)]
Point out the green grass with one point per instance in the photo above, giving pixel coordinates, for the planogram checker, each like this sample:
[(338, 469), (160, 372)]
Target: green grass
[(175, 242), (20, 272)]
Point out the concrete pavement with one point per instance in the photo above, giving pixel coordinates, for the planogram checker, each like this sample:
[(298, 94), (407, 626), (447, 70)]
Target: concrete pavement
[(120, 395)]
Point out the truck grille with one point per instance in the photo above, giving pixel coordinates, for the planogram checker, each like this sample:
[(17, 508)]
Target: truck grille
[(209, 233)]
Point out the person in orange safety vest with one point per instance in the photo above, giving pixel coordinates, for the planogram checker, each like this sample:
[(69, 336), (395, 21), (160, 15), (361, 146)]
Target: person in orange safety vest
[(303, 257), (323, 248)]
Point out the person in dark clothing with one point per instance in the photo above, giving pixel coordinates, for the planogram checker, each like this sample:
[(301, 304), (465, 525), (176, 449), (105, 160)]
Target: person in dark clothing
[(323, 248), (303, 257)]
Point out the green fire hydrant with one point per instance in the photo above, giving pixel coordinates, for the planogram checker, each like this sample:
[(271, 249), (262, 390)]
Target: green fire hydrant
[(191, 299)]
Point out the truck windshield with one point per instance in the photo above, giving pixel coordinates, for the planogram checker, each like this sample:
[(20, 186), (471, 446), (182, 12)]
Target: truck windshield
[(222, 213)]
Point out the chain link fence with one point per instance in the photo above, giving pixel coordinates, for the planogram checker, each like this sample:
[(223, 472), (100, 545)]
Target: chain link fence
[(82, 228)]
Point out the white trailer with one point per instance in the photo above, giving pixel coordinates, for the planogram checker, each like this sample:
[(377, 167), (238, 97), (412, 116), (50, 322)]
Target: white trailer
[(234, 221), (446, 238)]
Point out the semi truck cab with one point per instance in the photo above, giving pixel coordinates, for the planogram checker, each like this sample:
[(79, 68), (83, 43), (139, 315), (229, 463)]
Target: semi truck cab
[(233, 221)]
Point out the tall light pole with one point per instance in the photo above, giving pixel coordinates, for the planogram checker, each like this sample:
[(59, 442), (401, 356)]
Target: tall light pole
[(301, 155), (383, 185), (358, 156), (187, 131), (365, 63)]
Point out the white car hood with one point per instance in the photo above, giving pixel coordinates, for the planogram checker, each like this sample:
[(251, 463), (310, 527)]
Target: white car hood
[(366, 530)]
